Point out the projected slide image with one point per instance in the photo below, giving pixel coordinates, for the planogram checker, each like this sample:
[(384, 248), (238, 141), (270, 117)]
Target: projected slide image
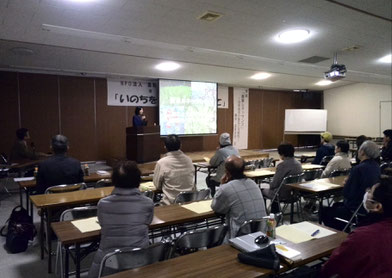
[(187, 107)]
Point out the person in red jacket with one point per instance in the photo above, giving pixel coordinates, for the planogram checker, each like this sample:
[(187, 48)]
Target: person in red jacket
[(367, 251)]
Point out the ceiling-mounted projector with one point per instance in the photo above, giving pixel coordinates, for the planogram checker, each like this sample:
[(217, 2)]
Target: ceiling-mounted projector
[(336, 72)]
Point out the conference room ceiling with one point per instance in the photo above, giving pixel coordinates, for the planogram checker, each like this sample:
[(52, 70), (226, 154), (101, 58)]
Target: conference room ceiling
[(128, 38)]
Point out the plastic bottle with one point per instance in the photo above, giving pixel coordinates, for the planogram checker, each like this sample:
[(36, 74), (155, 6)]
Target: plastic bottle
[(86, 170), (35, 172), (271, 226)]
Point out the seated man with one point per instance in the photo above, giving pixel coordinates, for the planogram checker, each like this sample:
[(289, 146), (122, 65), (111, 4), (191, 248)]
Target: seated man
[(21, 151), (361, 177), (367, 251), (60, 168), (340, 161), (174, 172), (124, 216), (238, 197), (325, 149), (289, 166), (224, 150), (386, 153)]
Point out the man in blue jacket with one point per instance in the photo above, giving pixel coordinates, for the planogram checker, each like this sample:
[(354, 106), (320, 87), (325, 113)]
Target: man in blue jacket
[(325, 149), (361, 177)]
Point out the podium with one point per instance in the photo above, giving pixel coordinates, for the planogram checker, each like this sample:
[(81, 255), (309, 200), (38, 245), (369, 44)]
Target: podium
[(143, 143)]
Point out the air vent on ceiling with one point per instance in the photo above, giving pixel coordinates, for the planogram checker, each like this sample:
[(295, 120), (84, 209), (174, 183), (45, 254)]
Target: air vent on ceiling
[(210, 16), (351, 48), (313, 60), (23, 51)]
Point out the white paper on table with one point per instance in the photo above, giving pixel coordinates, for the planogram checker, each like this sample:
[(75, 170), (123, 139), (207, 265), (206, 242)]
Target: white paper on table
[(199, 207), (146, 186), (87, 225), (288, 252), (24, 179), (103, 173), (310, 228)]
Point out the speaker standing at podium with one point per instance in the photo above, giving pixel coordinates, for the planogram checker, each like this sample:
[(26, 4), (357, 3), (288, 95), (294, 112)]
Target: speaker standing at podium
[(139, 119)]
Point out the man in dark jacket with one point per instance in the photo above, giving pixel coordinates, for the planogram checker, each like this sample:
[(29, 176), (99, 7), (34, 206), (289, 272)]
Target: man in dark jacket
[(361, 177), (60, 168), (386, 153), (325, 149)]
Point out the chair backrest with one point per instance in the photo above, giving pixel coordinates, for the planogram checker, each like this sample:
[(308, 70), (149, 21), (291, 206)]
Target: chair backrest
[(78, 213), (312, 174), (192, 196), (338, 173), (3, 159), (383, 166), (266, 162), (206, 238), (149, 193), (252, 226), (103, 183), (286, 191), (354, 219), (128, 258), (326, 159), (65, 188)]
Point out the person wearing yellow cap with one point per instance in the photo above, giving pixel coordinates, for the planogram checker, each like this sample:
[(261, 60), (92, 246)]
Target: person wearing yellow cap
[(325, 149)]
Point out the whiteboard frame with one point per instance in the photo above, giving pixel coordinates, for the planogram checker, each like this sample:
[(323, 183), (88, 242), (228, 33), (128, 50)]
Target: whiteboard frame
[(304, 132)]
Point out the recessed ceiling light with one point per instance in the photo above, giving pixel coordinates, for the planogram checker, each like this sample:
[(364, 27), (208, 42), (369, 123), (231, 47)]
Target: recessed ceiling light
[(260, 76), (386, 59), (167, 66), (324, 83), (81, 1), (293, 36)]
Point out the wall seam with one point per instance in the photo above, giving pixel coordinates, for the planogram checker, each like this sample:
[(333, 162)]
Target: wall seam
[(19, 110), (59, 103)]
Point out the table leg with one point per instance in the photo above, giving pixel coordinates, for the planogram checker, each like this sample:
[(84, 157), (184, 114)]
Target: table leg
[(66, 263), (27, 199), (195, 174), (41, 234), (320, 208), (77, 255), (49, 238), (291, 212), (20, 196)]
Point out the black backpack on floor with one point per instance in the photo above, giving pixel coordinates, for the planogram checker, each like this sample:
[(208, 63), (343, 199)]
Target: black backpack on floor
[(19, 231)]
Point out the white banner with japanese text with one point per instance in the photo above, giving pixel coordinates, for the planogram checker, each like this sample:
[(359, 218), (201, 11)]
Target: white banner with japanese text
[(241, 116), (132, 92)]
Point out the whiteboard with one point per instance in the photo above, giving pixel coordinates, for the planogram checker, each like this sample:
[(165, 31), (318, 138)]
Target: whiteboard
[(305, 121)]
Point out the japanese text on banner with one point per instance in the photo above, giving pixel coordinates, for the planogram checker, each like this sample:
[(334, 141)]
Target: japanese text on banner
[(132, 92)]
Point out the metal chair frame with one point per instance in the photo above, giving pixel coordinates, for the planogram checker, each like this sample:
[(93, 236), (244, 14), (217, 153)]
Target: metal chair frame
[(139, 256), (293, 198), (192, 196), (354, 218), (61, 188), (85, 249), (191, 241)]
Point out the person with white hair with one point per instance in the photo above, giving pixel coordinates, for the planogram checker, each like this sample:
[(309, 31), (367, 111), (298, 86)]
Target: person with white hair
[(60, 168), (361, 177), (224, 150)]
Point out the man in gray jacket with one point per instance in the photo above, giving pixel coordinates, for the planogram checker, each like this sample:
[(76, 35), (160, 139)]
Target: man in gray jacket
[(124, 216), (238, 197), (224, 150)]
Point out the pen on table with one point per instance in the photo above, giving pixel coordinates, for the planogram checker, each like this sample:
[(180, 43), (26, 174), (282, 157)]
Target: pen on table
[(315, 232)]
